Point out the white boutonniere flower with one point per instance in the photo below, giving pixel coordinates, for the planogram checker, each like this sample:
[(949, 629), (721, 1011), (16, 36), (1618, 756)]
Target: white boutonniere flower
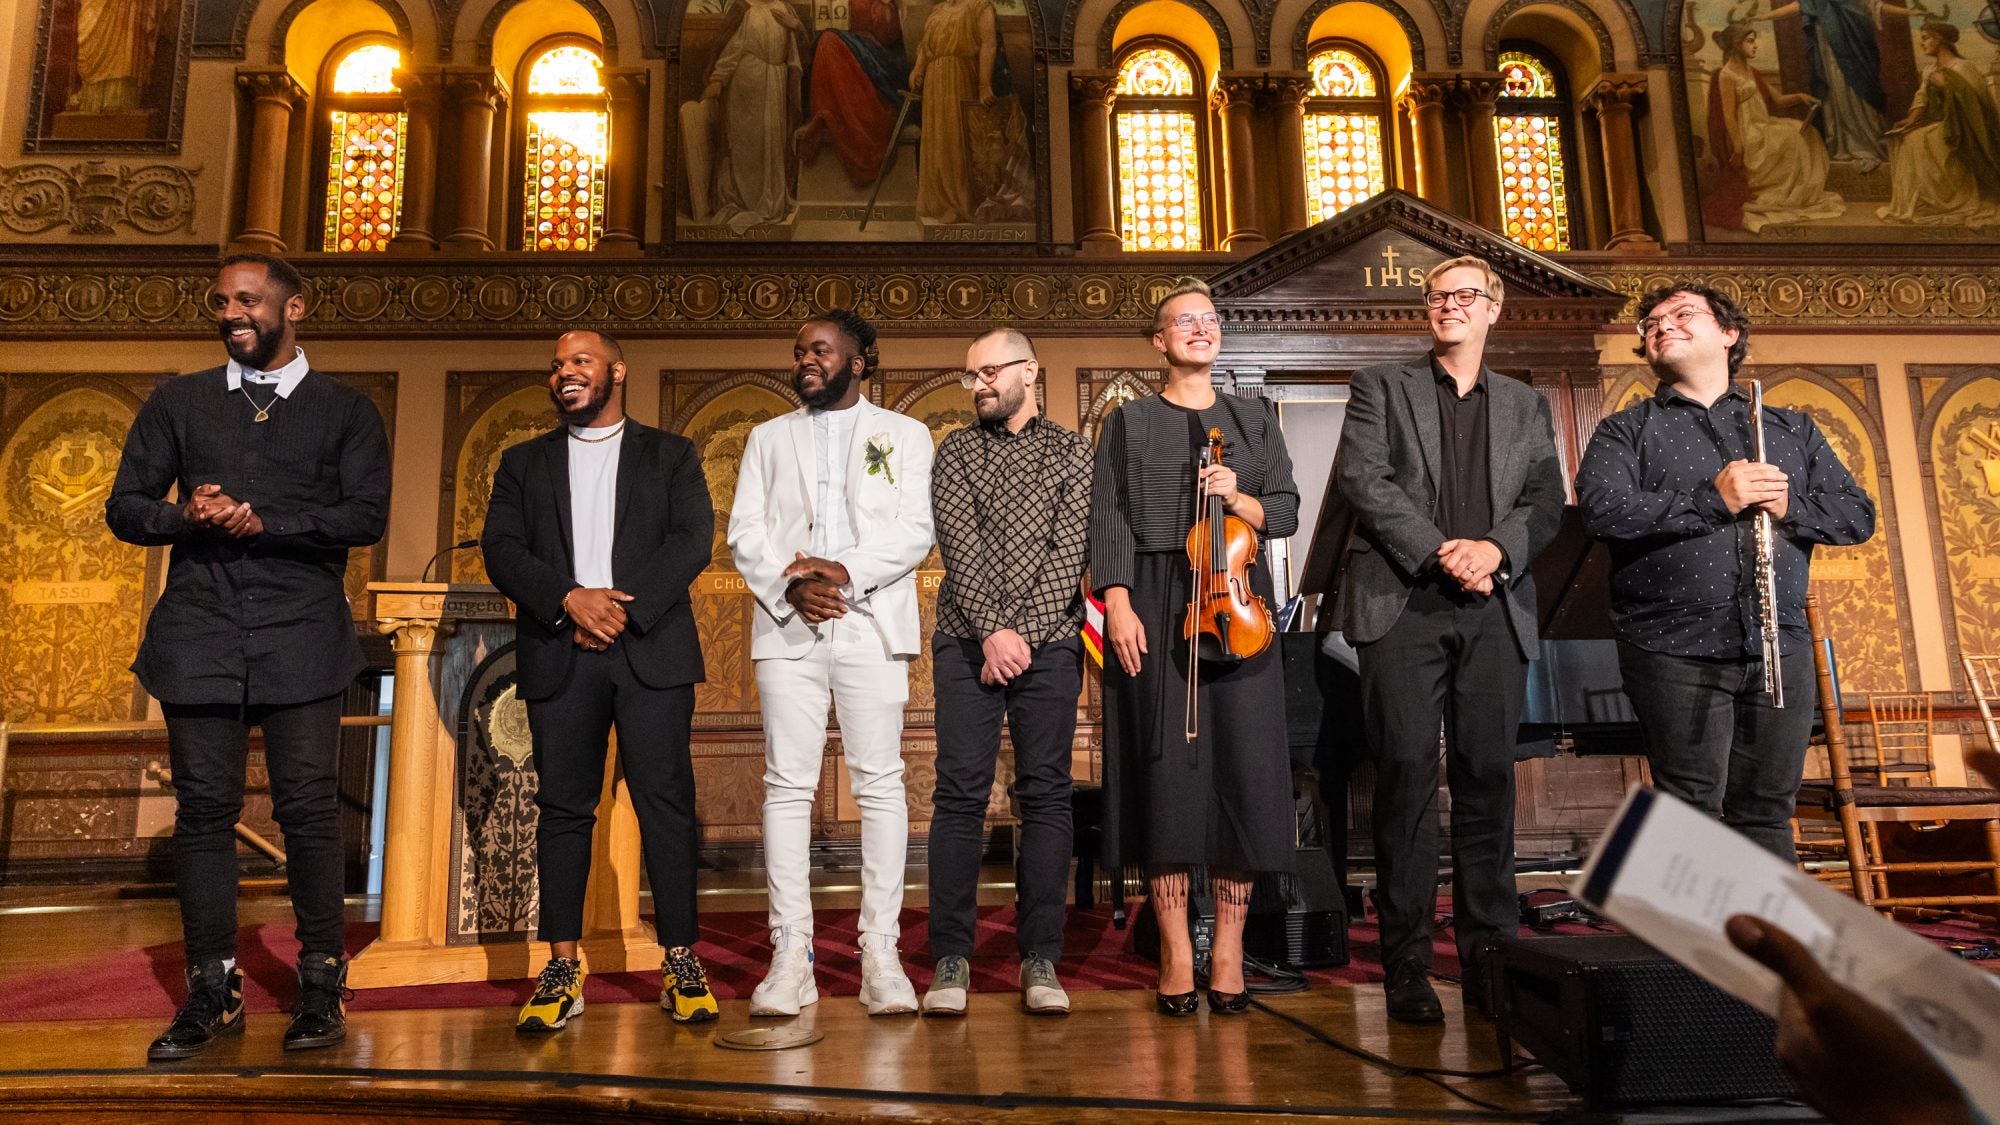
[(877, 453)]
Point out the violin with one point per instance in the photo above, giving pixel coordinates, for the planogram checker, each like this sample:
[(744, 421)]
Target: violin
[(1227, 623)]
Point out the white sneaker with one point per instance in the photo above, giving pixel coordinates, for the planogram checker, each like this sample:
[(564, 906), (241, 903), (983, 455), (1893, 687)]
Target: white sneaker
[(789, 985), (885, 989)]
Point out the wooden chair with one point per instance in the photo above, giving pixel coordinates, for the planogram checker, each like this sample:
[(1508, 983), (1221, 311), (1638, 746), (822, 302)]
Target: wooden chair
[(1901, 724), (1861, 810), (1983, 673)]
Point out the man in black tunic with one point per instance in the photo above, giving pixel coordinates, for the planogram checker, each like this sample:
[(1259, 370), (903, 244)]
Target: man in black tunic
[(1450, 475), (277, 471)]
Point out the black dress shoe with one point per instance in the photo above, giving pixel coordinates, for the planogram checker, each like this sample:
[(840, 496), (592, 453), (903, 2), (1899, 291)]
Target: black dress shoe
[(1177, 1003), (1411, 997), (319, 1019), (214, 1009), (1228, 1003)]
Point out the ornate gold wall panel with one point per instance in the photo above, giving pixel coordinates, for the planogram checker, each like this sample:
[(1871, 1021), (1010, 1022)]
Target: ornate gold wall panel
[(1871, 633), (485, 413), (1958, 436), (73, 598), (1904, 295)]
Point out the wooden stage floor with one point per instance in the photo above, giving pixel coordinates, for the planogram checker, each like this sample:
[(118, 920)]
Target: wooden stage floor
[(1112, 1060)]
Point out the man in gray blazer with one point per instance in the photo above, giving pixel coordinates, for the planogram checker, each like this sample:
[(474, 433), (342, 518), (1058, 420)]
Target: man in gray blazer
[(1450, 482)]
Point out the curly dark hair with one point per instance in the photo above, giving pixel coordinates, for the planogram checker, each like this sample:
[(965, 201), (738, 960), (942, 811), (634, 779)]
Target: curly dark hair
[(859, 333), (1727, 316), (278, 270)]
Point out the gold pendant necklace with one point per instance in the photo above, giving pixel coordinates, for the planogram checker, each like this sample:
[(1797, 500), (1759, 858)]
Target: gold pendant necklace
[(607, 437), (264, 411)]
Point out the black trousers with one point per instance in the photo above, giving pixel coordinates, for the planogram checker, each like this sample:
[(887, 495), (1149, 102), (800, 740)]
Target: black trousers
[(1714, 740), (1455, 664), (571, 729), (1039, 707), (209, 747)]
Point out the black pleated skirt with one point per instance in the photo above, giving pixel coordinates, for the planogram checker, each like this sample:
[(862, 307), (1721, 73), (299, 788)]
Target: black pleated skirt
[(1223, 800)]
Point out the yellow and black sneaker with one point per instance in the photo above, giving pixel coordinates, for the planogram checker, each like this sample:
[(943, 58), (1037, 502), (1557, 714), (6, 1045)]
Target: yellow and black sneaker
[(558, 996), (684, 988)]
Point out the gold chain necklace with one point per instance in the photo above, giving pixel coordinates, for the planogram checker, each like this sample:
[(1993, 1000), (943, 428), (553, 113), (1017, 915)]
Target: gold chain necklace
[(593, 440), (264, 411)]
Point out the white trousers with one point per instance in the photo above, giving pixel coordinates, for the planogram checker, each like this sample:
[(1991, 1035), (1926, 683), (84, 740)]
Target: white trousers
[(868, 688)]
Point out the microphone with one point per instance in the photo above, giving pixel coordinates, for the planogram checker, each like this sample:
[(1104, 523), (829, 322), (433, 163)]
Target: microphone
[(443, 553)]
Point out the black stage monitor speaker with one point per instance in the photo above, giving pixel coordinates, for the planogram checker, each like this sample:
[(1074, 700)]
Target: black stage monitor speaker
[(1624, 1025)]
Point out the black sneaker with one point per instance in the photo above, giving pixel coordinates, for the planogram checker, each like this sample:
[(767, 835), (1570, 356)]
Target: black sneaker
[(214, 1009), (319, 1019)]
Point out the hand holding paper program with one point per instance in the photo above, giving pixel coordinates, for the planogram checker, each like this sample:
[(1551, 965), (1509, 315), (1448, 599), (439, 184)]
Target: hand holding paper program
[(1826, 967)]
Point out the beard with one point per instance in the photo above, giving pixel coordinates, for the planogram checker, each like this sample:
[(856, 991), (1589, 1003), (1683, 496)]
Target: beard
[(832, 388), (262, 349), (587, 408), (1002, 405)]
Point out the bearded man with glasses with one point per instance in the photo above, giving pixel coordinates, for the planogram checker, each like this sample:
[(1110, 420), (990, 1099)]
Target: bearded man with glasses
[(1446, 485), (1010, 498), (1670, 484)]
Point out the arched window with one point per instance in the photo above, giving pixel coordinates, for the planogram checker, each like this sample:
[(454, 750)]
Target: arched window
[(364, 148), (1159, 150), (1346, 161), (568, 131), (1534, 183)]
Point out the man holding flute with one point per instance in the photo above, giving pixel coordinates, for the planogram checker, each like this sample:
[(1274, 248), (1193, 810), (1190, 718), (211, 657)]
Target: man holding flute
[(1672, 483)]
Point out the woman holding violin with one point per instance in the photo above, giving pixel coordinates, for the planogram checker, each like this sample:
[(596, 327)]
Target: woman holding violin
[(1197, 781)]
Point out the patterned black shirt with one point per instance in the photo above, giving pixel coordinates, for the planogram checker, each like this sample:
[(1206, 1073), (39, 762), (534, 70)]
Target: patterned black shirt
[(1683, 578), (1013, 517)]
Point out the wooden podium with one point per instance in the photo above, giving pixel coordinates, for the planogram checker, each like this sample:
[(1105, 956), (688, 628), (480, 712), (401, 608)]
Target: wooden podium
[(441, 634)]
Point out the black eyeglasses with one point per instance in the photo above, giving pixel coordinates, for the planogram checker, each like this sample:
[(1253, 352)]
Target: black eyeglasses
[(1463, 298), (988, 373)]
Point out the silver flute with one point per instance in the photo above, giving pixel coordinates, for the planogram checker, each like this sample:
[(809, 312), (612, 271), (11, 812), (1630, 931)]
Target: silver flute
[(1767, 567)]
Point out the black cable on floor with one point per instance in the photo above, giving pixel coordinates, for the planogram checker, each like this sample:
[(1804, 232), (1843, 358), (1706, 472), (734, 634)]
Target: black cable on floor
[(1431, 1074)]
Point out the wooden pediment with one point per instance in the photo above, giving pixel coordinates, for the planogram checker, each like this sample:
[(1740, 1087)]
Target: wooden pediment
[(1365, 268)]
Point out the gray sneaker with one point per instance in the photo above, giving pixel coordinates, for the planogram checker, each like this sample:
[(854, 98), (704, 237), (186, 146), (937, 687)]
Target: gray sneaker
[(1041, 993), (948, 988)]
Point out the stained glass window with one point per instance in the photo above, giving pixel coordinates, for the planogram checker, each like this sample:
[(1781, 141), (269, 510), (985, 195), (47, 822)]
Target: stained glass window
[(364, 168), (1340, 73), (568, 143), (1344, 157), (1534, 196), (1159, 152), (1156, 72)]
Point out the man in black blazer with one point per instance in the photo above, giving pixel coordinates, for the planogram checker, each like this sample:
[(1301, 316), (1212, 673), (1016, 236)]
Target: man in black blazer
[(596, 530), (1449, 475)]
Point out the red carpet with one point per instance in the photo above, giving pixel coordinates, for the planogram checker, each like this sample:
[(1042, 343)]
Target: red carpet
[(147, 983)]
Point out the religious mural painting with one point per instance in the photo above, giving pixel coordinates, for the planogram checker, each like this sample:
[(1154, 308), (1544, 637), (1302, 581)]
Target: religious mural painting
[(109, 75), (1844, 120), (857, 121)]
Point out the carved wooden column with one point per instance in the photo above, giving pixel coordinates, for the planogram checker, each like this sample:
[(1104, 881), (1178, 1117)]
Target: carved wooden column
[(1096, 184), (273, 97), (1289, 91), (476, 95), (414, 894), (1236, 96), (1424, 100), (625, 210), (422, 91), (1478, 94), (1613, 97)]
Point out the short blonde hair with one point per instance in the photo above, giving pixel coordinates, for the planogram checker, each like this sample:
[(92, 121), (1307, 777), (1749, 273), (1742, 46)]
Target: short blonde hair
[(1181, 288), (1495, 288)]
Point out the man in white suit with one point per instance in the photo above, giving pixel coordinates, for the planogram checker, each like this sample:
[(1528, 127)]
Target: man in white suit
[(831, 517)]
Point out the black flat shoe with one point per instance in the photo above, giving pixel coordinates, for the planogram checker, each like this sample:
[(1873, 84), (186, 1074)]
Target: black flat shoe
[(1228, 1003), (1411, 999), (1177, 1003)]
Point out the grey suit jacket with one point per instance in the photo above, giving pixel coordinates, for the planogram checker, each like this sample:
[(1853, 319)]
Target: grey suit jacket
[(1383, 498)]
